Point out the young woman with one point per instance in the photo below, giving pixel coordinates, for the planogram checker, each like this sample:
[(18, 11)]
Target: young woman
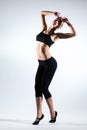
[(47, 64)]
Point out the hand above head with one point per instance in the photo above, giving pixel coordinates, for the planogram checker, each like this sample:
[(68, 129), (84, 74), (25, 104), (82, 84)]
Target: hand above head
[(57, 14), (65, 20)]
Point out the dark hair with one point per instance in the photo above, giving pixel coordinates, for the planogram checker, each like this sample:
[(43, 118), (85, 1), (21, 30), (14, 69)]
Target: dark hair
[(60, 20)]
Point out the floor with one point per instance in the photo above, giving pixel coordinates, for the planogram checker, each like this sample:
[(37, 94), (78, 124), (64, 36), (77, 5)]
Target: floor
[(10, 124)]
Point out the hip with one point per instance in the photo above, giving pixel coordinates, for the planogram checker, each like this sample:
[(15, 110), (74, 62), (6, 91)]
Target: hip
[(51, 62)]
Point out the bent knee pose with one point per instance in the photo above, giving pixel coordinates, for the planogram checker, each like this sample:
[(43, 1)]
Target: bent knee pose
[(45, 72), (46, 63)]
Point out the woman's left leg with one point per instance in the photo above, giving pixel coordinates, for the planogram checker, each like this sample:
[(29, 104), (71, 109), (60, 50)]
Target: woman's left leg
[(51, 106), (51, 66)]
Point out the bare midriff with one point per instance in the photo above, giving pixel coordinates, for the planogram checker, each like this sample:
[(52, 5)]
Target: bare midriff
[(42, 51)]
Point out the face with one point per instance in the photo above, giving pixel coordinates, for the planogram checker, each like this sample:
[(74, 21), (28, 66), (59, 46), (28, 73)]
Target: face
[(57, 23)]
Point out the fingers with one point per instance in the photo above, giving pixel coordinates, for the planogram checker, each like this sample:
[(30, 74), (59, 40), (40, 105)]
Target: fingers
[(57, 14), (65, 19)]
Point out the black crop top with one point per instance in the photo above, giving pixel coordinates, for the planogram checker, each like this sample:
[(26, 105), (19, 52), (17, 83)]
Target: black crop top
[(42, 37)]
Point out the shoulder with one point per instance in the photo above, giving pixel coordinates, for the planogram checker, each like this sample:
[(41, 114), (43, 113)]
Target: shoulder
[(54, 37)]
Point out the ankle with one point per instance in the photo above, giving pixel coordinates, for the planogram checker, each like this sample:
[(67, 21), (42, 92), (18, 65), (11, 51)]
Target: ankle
[(36, 122), (53, 119), (53, 114), (39, 114)]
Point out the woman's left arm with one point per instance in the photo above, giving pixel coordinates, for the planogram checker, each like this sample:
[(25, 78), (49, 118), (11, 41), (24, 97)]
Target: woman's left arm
[(73, 32), (67, 35)]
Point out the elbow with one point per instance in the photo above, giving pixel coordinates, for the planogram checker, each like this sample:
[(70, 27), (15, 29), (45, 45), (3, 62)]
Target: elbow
[(74, 34), (42, 12)]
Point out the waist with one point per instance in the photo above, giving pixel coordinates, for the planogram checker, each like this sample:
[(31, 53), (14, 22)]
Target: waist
[(51, 62), (47, 60), (42, 51)]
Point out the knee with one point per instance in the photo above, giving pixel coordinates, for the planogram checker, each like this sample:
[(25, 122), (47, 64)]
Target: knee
[(46, 93), (38, 92)]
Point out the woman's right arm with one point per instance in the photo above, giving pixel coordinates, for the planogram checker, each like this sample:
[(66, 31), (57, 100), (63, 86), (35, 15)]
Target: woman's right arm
[(47, 13), (43, 20)]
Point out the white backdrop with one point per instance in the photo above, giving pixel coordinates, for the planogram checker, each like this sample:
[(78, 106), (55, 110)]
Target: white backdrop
[(19, 25)]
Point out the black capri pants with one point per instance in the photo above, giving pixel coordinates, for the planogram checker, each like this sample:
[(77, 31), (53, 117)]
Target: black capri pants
[(44, 75)]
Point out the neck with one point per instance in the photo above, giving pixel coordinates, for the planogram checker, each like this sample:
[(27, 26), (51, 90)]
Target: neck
[(51, 30)]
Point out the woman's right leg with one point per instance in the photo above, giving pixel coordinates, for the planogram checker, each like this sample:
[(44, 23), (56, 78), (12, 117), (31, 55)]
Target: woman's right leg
[(38, 90), (39, 106), (39, 111)]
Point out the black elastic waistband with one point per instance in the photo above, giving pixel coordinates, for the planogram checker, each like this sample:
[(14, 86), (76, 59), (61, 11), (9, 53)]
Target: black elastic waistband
[(46, 61)]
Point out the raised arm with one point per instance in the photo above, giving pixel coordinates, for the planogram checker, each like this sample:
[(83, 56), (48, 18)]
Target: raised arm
[(43, 20), (67, 35), (73, 32)]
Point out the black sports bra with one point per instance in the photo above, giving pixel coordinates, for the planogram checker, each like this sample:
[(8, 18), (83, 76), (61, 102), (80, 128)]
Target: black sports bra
[(42, 37)]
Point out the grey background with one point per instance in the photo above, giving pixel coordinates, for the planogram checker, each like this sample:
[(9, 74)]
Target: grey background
[(19, 25)]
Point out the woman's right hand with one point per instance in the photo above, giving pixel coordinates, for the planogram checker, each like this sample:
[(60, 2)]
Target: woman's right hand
[(57, 14)]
